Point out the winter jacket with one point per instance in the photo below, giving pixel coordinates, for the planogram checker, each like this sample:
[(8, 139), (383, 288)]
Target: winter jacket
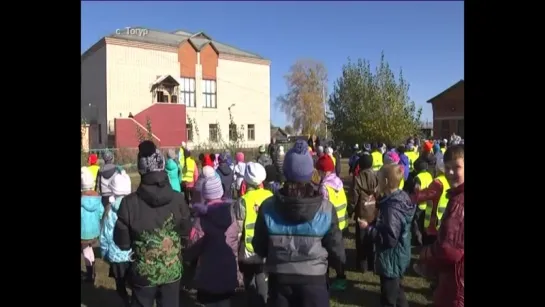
[(240, 170), (173, 171), (298, 236), (264, 159), (108, 249), (446, 255), (392, 234), (364, 191), (279, 164), (227, 178), (91, 214), (104, 176), (214, 245), (332, 181), (154, 221), (353, 161)]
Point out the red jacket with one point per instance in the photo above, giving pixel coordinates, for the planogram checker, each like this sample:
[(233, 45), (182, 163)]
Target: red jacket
[(446, 255), (432, 193)]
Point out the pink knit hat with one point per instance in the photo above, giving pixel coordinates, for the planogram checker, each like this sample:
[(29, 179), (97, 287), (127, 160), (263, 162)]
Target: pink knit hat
[(391, 158), (239, 157)]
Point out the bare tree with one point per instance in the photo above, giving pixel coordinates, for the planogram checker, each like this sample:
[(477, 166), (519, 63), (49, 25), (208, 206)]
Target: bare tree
[(304, 102)]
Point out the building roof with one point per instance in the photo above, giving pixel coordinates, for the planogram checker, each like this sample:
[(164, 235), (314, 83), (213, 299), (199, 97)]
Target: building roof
[(452, 87), (173, 39)]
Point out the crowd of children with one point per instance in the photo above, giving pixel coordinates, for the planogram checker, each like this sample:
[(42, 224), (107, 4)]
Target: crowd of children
[(274, 227)]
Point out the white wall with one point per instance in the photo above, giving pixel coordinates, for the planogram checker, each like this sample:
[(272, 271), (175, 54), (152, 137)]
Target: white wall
[(247, 86), (131, 71), (93, 93)]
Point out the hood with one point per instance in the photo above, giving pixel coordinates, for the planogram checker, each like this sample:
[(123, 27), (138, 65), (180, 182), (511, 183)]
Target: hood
[(217, 218), (399, 201), (403, 160), (171, 165), (264, 159), (224, 169), (115, 205), (107, 171), (155, 189), (91, 203), (297, 210), (333, 181)]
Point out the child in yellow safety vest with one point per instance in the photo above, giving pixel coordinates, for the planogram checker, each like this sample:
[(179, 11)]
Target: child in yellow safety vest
[(419, 180), (436, 197), (331, 188), (251, 265)]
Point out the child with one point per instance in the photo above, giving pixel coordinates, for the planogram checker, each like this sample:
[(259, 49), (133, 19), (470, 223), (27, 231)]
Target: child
[(91, 214), (251, 265), (365, 194), (279, 163), (104, 176), (173, 171), (119, 260), (392, 236), (240, 169), (213, 244), (93, 166), (331, 188), (445, 257), (226, 175), (272, 182)]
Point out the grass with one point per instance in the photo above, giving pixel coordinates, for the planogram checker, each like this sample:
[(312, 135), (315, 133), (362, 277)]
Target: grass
[(363, 289)]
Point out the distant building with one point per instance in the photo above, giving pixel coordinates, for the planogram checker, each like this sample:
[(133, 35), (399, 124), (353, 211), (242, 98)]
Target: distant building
[(168, 78), (280, 135), (448, 111)]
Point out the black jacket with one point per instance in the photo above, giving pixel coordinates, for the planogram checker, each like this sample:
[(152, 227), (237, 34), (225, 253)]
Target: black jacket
[(153, 221), (227, 178), (292, 211)]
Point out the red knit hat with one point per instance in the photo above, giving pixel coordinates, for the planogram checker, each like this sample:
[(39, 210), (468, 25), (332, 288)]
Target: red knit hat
[(93, 159), (428, 146), (208, 161), (325, 164)]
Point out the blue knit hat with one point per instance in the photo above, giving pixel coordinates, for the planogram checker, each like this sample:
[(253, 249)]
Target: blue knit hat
[(298, 164)]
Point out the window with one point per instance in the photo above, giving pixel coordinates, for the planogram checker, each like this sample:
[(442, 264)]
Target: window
[(213, 132), (174, 99), (209, 92), (251, 132), (189, 128), (161, 96), (461, 128), (437, 128), (187, 92), (232, 132), (100, 133)]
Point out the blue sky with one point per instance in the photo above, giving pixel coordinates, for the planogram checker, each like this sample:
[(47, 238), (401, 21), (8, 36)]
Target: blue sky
[(426, 39)]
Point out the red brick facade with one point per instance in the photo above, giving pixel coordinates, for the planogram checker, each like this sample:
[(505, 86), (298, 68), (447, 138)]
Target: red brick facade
[(448, 111)]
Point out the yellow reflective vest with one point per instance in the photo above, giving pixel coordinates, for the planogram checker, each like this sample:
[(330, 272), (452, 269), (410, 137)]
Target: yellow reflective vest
[(425, 180), (188, 170), (441, 205), (339, 201), (377, 160), (252, 200)]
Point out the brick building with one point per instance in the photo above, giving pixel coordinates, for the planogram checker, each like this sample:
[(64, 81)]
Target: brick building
[(448, 111)]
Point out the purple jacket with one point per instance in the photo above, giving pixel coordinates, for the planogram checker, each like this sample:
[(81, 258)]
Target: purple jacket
[(330, 180), (214, 243)]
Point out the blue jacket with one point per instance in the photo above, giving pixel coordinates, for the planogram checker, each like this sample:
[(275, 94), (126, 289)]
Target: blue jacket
[(173, 171), (392, 234), (91, 215), (108, 249)]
